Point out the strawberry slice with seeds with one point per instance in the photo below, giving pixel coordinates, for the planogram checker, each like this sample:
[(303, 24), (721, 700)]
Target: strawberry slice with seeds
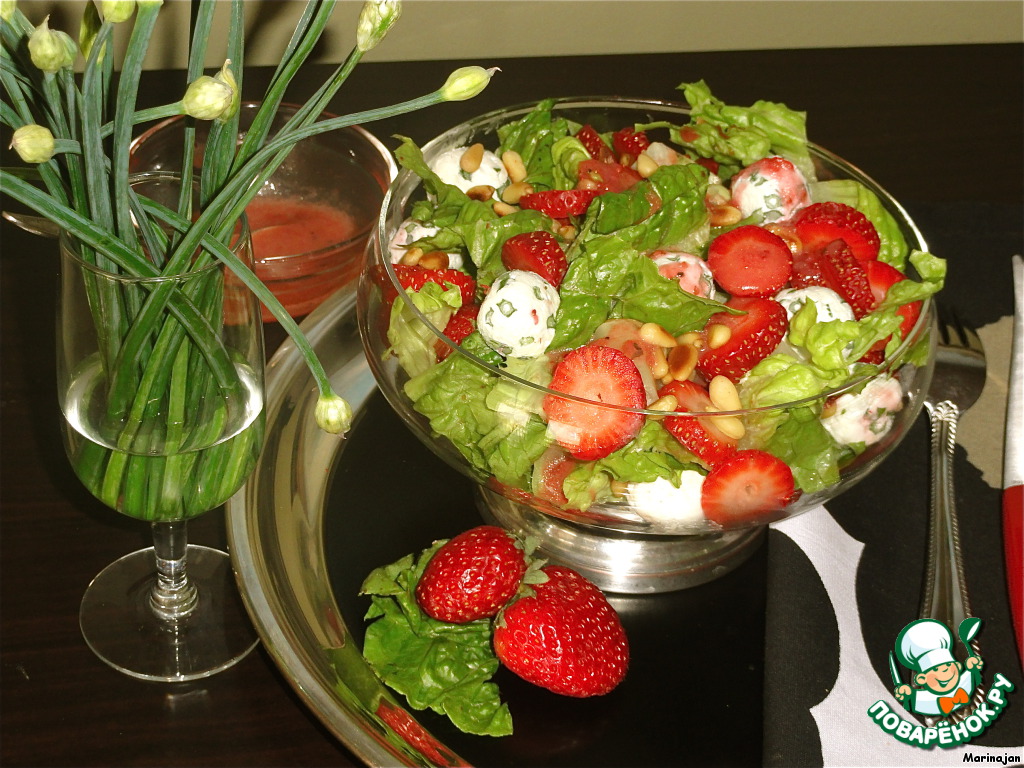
[(881, 277), (837, 268), (606, 177), (819, 224), (559, 203), (749, 486), (610, 381), (565, 637), (594, 144), (459, 326), (537, 252), (629, 143), (753, 336), (750, 261), (472, 576), (414, 278), (697, 434)]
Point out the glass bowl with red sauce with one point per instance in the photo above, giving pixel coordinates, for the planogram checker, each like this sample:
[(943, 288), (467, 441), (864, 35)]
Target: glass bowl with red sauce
[(311, 220)]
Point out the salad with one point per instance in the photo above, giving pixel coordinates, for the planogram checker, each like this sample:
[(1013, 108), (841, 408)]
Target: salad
[(694, 291)]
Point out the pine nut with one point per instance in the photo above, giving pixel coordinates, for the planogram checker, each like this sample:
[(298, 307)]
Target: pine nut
[(434, 260), (667, 403), (730, 426), (693, 339), (718, 335), (471, 158), (514, 166), (645, 165), (514, 191), (411, 257), (626, 159), (618, 487), (480, 192), (724, 395), (681, 362), (504, 209), (653, 333), (586, 183), (724, 215), (567, 232), (659, 367)]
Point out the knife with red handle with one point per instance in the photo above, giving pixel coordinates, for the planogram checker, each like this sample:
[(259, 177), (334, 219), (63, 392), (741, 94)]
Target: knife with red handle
[(1013, 465)]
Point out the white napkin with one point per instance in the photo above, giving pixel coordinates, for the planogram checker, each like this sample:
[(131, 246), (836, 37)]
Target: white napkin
[(848, 736), (1013, 458)]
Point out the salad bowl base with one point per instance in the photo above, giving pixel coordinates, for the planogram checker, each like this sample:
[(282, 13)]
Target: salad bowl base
[(620, 562)]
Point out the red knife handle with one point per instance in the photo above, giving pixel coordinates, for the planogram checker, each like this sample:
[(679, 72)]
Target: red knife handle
[(1013, 543)]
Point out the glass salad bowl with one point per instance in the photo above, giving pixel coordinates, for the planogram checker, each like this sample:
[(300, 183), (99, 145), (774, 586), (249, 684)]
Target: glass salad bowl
[(646, 514)]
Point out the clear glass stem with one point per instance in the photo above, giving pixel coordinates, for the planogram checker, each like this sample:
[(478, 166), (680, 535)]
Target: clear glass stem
[(174, 596)]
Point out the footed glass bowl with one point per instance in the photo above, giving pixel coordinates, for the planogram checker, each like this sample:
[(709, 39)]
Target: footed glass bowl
[(628, 537)]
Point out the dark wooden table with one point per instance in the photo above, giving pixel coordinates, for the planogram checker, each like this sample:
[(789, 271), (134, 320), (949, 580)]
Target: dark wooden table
[(931, 124)]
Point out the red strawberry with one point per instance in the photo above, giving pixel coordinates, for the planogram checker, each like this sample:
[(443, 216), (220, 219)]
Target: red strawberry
[(819, 224), (754, 336), (629, 144), (606, 177), (559, 203), (461, 324), (750, 261), (697, 434), (414, 278), (536, 252), (566, 637), (881, 277), (835, 267), (749, 485), (602, 375), (472, 576), (415, 735), (594, 144)]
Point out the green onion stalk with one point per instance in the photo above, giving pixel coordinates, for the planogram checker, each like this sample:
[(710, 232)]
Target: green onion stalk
[(73, 133)]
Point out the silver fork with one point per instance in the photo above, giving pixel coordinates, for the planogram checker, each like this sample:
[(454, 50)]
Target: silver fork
[(956, 385)]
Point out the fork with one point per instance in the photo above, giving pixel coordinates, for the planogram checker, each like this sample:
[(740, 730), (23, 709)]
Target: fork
[(956, 385)]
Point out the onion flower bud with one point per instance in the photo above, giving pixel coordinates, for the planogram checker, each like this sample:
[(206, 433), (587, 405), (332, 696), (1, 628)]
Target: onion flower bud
[(466, 82), (7, 9), (51, 50), (376, 18), (333, 414), (213, 98), (116, 11), (33, 143)]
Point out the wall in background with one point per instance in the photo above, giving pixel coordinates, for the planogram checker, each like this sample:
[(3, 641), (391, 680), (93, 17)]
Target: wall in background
[(490, 29)]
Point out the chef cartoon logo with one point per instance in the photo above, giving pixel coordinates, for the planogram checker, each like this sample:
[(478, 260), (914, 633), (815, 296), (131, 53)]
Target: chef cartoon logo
[(945, 692)]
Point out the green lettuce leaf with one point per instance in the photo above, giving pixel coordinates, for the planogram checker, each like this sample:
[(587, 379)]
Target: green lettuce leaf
[(810, 451), (533, 137), (412, 341), (436, 665)]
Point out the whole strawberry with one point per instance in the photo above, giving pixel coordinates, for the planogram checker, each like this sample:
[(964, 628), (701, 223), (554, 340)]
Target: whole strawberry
[(565, 637), (472, 576)]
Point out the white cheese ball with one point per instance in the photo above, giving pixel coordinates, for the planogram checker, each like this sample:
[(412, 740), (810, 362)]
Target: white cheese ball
[(772, 186), (409, 232), (828, 303), (867, 416), (491, 171), (660, 502), (516, 318), (691, 271)]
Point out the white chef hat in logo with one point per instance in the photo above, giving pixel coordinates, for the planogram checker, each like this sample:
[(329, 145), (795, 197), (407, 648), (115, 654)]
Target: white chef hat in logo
[(925, 644)]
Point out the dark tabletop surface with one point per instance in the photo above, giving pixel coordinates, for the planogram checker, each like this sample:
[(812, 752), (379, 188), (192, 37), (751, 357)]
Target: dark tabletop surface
[(935, 125)]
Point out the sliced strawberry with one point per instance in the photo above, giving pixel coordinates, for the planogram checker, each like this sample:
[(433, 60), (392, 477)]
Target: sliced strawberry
[(750, 261), (472, 576), (819, 224), (629, 144), (559, 203), (461, 324), (749, 486), (624, 335), (881, 277), (753, 336), (601, 375), (836, 267), (414, 278), (536, 252), (594, 144), (606, 177), (697, 434), (707, 162)]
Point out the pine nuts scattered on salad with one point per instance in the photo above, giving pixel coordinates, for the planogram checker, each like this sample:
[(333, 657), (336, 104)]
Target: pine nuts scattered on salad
[(692, 339), (514, 165), (514, 191), (667, 403), (723, 394), (718, 335), (567, 232), (504, 209), (618, 487), (724, 215), (653, 333), (586, 183), (659, 365), (480, 192), (411, 257), (434, 260), (730, 426), (645, 165), (471, 158), (681, 362)]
